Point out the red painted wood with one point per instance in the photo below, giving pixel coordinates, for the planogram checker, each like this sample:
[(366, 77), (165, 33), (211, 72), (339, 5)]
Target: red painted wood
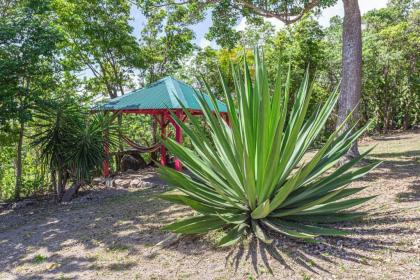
[(163, 117), (178, 138), (163, 136), (105, 163), (227, 118)]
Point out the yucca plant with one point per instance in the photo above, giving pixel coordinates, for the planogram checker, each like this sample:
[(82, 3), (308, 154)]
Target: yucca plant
[(251, 177), (71, 143)]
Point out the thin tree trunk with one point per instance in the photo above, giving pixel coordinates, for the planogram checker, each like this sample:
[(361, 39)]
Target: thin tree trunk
[(53, 185), (406, 119), (72, 191), (350, 91), (60, 187), (18, 185)]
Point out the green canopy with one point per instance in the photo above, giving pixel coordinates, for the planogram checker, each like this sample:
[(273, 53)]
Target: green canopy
[(160, 95)]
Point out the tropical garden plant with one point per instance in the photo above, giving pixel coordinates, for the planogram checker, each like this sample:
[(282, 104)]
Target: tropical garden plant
[(71, 142), (252, 176)]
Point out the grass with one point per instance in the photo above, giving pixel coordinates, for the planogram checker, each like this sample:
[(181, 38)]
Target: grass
[(39, 259)]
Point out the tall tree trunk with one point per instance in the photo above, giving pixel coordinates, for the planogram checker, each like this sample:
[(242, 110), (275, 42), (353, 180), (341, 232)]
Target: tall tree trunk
[(350, 91), (18, 185), (72, 191)]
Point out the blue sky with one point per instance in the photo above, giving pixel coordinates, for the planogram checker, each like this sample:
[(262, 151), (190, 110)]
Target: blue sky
[(201, 29)]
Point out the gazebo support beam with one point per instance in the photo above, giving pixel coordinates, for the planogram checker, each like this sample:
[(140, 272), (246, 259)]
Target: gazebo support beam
[(178, 138), (105, 163), (163, 136)]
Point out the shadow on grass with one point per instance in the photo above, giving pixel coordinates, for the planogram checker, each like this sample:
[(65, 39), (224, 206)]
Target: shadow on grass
[(118, 224), (291, 253), (413, 193)]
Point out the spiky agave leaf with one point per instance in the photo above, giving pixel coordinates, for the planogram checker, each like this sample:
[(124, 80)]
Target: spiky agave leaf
[(246, 177)]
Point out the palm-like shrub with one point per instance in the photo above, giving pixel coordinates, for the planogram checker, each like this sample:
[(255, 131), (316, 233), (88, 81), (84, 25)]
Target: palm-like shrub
[(71, 143), (250, 178)]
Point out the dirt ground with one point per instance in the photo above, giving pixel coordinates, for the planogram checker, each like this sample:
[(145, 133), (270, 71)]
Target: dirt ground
[(111, 233)]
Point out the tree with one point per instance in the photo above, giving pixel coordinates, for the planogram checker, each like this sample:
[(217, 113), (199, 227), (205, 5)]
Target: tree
[(99, 42), (390, 63), (165, 40), (351, 75), (28, 47)]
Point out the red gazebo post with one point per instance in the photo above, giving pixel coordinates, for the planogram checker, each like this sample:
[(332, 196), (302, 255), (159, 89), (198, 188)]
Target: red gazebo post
[(178, 138), (163, 136), (105, 163)]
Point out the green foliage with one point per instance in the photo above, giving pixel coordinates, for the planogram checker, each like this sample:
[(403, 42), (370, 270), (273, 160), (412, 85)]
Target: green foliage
[(28, 43), (70, 142), (39, 259), (165, 39), (28, 51), (251, 176), (391, 80), (226, 14), (99, 40)]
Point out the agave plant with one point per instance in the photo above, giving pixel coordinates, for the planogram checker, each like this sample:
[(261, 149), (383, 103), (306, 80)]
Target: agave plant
[(252, 177)]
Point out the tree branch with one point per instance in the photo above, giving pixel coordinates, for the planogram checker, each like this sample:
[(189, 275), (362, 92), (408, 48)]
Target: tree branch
[(284, 17)]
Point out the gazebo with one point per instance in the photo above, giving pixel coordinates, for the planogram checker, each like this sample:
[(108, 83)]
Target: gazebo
[(159, 99)]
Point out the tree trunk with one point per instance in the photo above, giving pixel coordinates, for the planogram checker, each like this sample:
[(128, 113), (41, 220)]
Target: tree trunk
[(53, 185), (406, 119), (18, 185), (350, 91), (60, 187), (72, 191)]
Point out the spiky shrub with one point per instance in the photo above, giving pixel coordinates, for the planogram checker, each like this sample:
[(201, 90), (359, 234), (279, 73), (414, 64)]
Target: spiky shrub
[(250, 178), (71, 141)]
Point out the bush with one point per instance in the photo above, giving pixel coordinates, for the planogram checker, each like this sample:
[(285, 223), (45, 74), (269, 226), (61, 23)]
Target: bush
[(71, 143)]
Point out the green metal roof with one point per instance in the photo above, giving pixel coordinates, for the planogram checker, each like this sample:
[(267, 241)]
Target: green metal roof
[(162, 94)]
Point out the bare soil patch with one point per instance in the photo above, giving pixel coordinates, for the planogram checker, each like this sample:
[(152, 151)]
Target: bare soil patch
[(110, 234)]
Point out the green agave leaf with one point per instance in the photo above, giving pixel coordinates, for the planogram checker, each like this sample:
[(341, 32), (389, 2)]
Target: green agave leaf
[(261, 211), (310, 229), (197, 224), (259, 233), (237, 218), (233, 236), (289, 232), (334, 207), (176, 196)]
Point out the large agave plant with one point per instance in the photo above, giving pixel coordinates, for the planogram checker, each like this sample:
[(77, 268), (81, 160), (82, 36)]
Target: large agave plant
[(250, 177)]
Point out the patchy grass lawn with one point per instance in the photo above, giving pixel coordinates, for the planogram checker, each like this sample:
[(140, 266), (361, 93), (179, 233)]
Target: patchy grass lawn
[(112, 237)]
